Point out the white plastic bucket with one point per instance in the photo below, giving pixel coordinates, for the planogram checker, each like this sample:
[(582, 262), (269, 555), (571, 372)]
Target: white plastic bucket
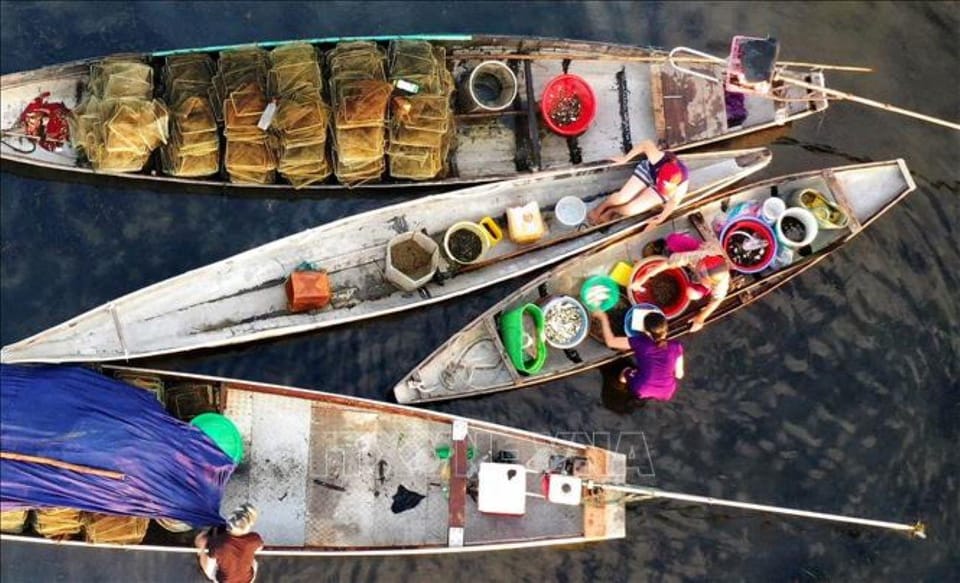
[(809, 223), (401, 279), (771, 209), (570, 211)]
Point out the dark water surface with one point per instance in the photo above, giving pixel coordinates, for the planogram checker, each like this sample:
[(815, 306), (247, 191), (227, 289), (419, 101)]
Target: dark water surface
[(839, 392)]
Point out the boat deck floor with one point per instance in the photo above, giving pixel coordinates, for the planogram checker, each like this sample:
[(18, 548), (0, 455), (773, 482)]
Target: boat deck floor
[(324, 475), (488, 146)]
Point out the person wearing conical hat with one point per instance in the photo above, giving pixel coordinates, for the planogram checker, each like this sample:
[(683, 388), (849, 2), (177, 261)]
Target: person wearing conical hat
[(711, 278), (228, 556)]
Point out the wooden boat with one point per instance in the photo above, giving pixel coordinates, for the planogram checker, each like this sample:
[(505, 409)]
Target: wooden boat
[(243, 298), (322, 470), (474, 361), (638, 95)]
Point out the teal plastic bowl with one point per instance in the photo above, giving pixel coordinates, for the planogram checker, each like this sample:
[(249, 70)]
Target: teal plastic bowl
[(612, 287), (223, 432)]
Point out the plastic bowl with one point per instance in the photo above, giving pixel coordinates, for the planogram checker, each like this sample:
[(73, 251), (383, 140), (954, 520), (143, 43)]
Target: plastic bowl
[(679, 305), (640, 310), (581, 334), (559, 87), (613, 295), (223, 432), (570, 211), (753, 227)]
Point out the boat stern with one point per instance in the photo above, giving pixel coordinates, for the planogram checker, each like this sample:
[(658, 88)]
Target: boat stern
[(604, 515)]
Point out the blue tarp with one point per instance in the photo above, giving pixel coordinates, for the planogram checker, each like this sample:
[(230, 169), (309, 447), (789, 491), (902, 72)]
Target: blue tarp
[(75, 415)]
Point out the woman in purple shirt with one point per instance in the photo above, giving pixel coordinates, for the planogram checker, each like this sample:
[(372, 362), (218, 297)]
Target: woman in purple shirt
[(659, 362)]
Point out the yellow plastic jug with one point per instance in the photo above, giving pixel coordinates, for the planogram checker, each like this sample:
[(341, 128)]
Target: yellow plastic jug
[(525, 223)]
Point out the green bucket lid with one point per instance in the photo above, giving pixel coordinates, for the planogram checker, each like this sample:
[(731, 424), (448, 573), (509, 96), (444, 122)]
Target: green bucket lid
[(223, 432)]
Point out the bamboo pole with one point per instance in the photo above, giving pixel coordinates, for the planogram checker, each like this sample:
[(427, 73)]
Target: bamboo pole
[(870, 102), (918, 530), (638, 59), (19, 457)]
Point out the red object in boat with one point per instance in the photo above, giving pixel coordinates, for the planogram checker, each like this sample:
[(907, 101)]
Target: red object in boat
[(755, 228), (560, 87), (645, 297), (307, 290), (46, 121)]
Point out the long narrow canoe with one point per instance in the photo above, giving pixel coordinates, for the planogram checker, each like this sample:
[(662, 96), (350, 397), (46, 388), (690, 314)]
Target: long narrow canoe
[(474, 361), (638, 94), (242, 298), (322, 470)]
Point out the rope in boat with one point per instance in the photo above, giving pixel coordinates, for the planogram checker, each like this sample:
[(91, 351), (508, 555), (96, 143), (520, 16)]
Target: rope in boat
[(448, 376), (17, 149)]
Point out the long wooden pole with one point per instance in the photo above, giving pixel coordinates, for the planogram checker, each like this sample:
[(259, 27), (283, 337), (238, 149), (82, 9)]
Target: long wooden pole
[(638, 59), (19, 457), (870, 102), (917, 530)]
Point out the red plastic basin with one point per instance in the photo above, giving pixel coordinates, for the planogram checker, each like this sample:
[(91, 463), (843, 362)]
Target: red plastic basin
[(560, 87), (755, 228), (682, 301)]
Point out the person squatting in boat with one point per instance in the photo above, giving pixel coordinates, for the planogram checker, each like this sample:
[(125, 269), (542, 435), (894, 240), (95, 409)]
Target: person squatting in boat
[(708, 267), (658, 362), (659, 179), (228, 556)]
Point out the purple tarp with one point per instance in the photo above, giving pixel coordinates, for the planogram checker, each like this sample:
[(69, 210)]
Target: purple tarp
[(74, 415)]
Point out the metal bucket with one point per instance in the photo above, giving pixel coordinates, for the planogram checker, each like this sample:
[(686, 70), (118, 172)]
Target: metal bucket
[(491, 86)]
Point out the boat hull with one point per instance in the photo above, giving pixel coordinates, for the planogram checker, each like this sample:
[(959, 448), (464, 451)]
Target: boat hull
[(243, 298), (638, 97), (474, 361), (322, 470)]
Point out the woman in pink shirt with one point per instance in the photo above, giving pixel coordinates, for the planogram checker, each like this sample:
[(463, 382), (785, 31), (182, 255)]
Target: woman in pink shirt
[(659, 362)]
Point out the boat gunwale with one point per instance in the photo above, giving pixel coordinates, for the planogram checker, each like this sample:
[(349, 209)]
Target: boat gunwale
[(276, 551)]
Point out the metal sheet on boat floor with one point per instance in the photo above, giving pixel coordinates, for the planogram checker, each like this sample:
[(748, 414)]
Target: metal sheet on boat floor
[(693, 109), (276, 432), (358, 461), (542, 519)]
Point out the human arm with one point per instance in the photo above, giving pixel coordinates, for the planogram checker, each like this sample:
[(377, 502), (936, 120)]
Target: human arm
[(620, 343), (678, 368), (701, 318), (718, 292), (650, 274), (646, 147)]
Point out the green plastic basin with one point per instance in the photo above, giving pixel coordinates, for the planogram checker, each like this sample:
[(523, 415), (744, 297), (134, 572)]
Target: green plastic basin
[(223, 432), (612, 287), (511, 332)]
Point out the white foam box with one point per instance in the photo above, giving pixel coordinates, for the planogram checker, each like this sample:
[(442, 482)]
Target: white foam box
[(502, 489), (564, 489)]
